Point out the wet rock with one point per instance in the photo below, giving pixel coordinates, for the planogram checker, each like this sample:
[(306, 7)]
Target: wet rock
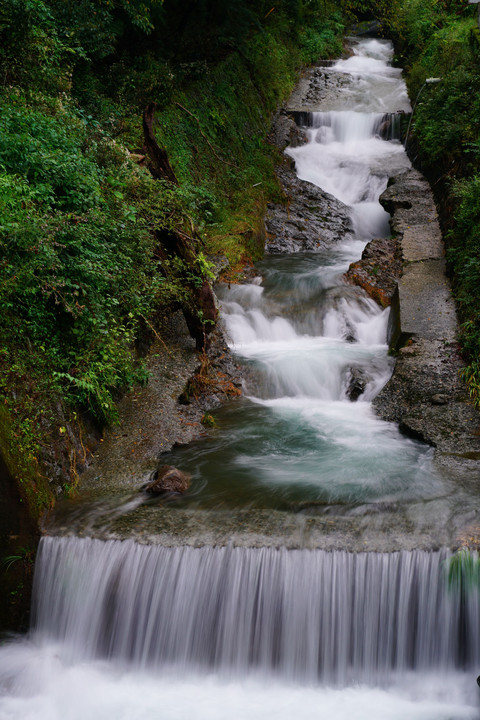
[(309, 220), (416, 429), (379, 270), (201, 316), (385, 129), (319, 89), (425, 394), (215, 379), (409, 200), (168, 479), (439, 399), (285, 132), (357, 384)]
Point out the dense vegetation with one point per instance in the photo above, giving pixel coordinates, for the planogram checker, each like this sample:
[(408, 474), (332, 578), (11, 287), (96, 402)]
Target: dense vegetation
[(441, 39), (84, 272)]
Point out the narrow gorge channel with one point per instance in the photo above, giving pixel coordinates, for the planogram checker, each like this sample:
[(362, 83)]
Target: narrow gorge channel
[(304, 574)]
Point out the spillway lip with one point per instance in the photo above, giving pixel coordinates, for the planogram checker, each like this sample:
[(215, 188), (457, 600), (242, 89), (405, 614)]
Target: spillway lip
[(374, 527)]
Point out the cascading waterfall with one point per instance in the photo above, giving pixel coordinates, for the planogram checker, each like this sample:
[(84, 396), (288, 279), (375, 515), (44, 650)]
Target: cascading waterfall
[(315, 343), (342, 126), (124, 630), (303, 614)]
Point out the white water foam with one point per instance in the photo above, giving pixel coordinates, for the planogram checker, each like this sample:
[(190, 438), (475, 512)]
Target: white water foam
[(97, 691), (375, 85), (311, 338)]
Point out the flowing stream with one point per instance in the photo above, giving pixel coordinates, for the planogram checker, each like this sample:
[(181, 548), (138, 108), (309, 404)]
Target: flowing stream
[(124, 630)]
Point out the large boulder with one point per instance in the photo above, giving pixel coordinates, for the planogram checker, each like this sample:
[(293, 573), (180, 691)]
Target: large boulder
[(167, 479), (379, 270)]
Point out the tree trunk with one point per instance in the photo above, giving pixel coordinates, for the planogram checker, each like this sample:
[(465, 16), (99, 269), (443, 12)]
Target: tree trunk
[(201, 312), (159, 164)]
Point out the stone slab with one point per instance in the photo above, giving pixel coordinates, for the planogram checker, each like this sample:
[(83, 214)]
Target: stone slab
[(427, 309), (426, 394), (422, 242)]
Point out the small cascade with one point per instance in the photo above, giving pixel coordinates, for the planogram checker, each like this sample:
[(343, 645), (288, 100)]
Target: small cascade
[(315, 349), (351, 154), (315, 344), (304, 615), (292, 358), (386, 126)]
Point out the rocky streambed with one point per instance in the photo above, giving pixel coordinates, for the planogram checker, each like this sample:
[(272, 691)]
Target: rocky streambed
[(162, 423), (426, 395), (251, 609)]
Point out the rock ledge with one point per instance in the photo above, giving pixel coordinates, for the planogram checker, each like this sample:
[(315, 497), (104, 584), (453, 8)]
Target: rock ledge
[(425, 394)]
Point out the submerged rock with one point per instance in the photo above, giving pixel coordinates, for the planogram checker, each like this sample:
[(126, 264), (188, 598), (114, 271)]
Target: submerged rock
[(168, 479), (357, 383)]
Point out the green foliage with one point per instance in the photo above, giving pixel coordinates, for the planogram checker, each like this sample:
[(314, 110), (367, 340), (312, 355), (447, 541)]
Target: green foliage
[(446, 119), (319, 43), (214, 133), (79, 265), (46, 147), (24, 554), (31, 49), (208, 420), (19, 441), (464, 571), (83, 269), (41, 41), (464, 258)]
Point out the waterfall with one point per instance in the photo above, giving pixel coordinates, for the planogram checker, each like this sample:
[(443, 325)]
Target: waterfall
[(308, 615), (123, 630), (383, 125)]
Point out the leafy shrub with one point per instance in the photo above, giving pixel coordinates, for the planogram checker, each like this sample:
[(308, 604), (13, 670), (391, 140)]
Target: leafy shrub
[(464, 257), (78, 254), (319, 43), (45, 145), (82, 265)]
